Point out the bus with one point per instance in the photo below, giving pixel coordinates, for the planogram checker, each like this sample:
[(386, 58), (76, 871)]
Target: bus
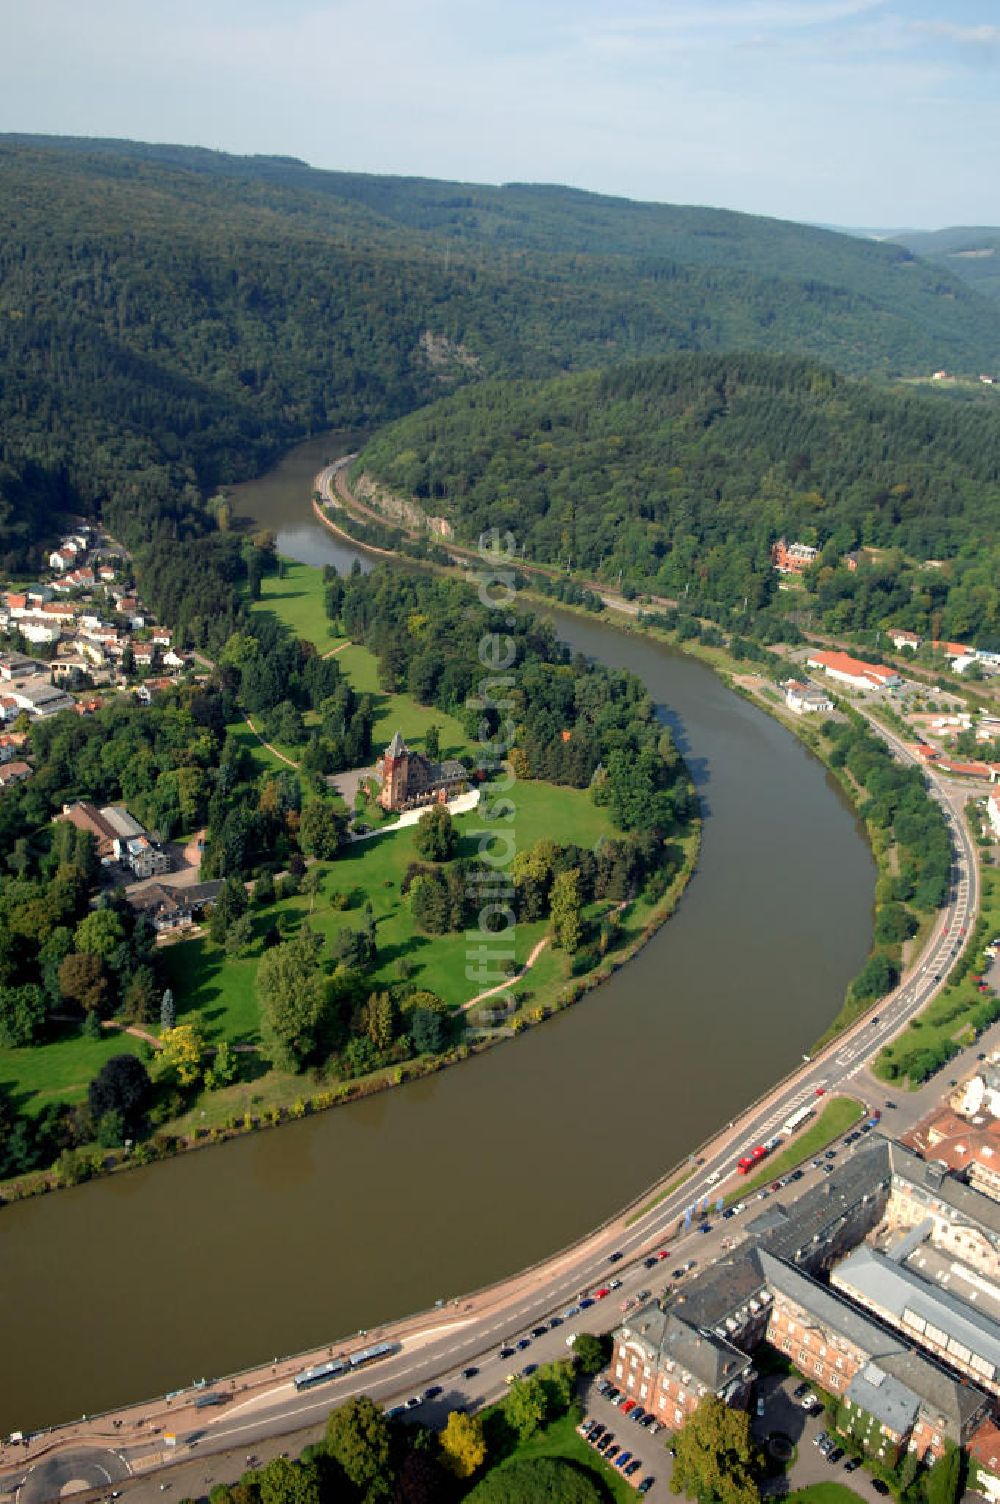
[(205, 1401), (372, 1354), (321, 1373), (799, 1116)]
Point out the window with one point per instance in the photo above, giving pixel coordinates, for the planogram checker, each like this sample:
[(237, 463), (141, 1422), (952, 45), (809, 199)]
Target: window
[(633, 1360), (678, 1415), (618, 1371), (643, 1391), (663, 1402), (817, 1367), (834, 1381)]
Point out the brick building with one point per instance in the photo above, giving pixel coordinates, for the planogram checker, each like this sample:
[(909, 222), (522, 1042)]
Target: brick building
[(793, 558), (409, 779)]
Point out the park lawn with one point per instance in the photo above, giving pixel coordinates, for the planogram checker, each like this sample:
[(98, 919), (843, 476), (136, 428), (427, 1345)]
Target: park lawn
[(264, 759), (62, 1070), (400, 712), (839, 1114), (296, 599), (219, 990), (560, 1439), (558, 813), (823, 1493)]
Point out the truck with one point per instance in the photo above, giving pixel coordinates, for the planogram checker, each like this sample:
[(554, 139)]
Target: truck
[(752, 1160)]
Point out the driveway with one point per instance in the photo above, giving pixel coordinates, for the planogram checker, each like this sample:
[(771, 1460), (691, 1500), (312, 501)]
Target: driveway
[(784, 1416)]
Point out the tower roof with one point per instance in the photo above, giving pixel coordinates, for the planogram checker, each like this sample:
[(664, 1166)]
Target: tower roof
[(397, 747)]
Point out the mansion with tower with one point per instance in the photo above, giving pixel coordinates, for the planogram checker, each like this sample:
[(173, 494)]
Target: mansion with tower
[(409, 780)]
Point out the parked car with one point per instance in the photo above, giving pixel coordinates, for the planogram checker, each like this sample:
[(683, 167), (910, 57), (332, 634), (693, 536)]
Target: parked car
[(880, 1487), (433, 1392), (852, 1464), (633, 1467), (819, 1440), (523, 1343), (616, 1257), (835, 1456), (649, 1263), (622, 1458), (470, 1372), (539, 1331), (646, 1485), (800, 1390)]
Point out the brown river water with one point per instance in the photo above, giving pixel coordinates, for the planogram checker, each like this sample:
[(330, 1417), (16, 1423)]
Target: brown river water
[(285, 1239)]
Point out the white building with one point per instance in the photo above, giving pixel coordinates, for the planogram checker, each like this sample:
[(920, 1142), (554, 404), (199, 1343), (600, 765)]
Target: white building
[(806, 698)]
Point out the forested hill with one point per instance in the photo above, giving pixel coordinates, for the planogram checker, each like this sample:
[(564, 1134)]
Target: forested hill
[(967, 252), (171, 318), (681, 472)]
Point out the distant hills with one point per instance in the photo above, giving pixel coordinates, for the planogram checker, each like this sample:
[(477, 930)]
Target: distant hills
[(969, 253), (172, 317)]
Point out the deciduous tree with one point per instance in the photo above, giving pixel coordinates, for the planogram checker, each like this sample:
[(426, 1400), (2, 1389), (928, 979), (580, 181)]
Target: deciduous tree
[(462, 1443)]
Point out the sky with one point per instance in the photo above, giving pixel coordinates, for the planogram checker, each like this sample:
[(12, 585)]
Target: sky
[(865, 113)]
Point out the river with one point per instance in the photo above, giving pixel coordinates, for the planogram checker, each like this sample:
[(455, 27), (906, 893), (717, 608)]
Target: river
[(284, 1239)]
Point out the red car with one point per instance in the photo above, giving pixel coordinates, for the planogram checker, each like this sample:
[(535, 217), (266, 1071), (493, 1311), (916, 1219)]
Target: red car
[(821, 1091), (663, 1253), (600, 1294)]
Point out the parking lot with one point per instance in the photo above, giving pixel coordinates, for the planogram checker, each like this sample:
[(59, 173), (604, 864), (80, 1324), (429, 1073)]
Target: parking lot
[(650, 1450)]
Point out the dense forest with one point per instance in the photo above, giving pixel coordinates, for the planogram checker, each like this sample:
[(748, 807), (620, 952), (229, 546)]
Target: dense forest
[(680, 473), (171, 318)]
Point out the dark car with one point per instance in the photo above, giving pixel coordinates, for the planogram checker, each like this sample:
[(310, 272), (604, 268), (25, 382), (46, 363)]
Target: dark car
[(506, 1352), (523, 1343), (614, 1258), (646, 1485), (528, 1370), (650, 1262), (796, 1175), (586, 1303), (555, 1321), (539, 1331), (705, 1227), (835, 1455), (433, 1392), (800, 1390), (880, 1487), (470, 1372), (633, 1467), (852, 1464)]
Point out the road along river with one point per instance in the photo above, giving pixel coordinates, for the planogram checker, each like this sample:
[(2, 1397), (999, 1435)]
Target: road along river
[(284, 1239)]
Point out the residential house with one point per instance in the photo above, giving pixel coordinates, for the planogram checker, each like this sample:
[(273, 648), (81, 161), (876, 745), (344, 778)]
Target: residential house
[(902, 639), (793, 558), (170, 909), (13, 772)]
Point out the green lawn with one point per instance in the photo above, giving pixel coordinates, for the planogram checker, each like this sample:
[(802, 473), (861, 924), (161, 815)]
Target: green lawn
[(839, 1114), (560, 1439), (62, 1070), (823, 1493), (296, 599), (400, 712)]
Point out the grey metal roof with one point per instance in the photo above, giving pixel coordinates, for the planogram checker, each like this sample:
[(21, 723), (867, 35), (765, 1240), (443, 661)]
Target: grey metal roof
[(876, 1281), (397, 747), (121, 822), (952, 1401), (889, 1400), (673, 1343)]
